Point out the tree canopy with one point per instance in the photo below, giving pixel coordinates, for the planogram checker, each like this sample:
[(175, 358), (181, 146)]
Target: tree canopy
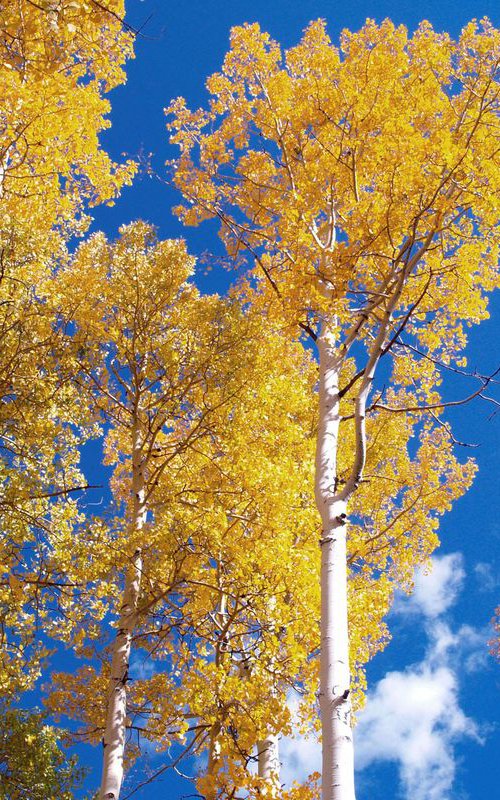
[(274, 462)]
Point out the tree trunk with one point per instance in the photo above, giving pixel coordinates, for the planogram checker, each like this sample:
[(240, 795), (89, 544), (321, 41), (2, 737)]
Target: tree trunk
[(269, 762), (114, 735), (214, 754), (268, 756), (335, 704)]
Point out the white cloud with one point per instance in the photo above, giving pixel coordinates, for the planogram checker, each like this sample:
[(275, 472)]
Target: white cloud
[(435, 589), (300, 756), (414, 718), (487, 578), (466, 649), (142, 667)]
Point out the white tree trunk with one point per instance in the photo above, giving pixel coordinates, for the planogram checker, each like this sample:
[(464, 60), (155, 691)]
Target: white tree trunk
[(335, 703), (268, 756), (214, 755), (114, 735), (4, 167), (268, 760)]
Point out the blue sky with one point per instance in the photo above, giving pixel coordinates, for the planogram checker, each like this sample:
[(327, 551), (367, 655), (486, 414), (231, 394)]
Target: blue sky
[(429, 731)]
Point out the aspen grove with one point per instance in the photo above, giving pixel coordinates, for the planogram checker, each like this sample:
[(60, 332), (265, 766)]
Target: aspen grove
[(210, 499)]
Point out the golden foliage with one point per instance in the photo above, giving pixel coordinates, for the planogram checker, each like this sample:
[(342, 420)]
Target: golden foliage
[(323, 162), (57, 61), (362, 185)]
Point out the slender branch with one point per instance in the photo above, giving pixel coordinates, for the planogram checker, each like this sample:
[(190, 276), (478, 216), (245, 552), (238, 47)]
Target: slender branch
[(407, 317), (449, 404), (66, 491), (166, 767), (448, 430), (307, 328)]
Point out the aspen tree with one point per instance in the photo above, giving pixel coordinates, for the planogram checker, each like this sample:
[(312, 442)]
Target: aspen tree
[(158, 362), (199, 508), (250, 592), (363, 182), (57, 60), (136, 356)]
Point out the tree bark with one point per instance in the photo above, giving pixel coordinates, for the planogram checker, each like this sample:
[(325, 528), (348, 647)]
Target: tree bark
[(214, 754), (268, 756), (268, 760), (335, 702), (114, 735)]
